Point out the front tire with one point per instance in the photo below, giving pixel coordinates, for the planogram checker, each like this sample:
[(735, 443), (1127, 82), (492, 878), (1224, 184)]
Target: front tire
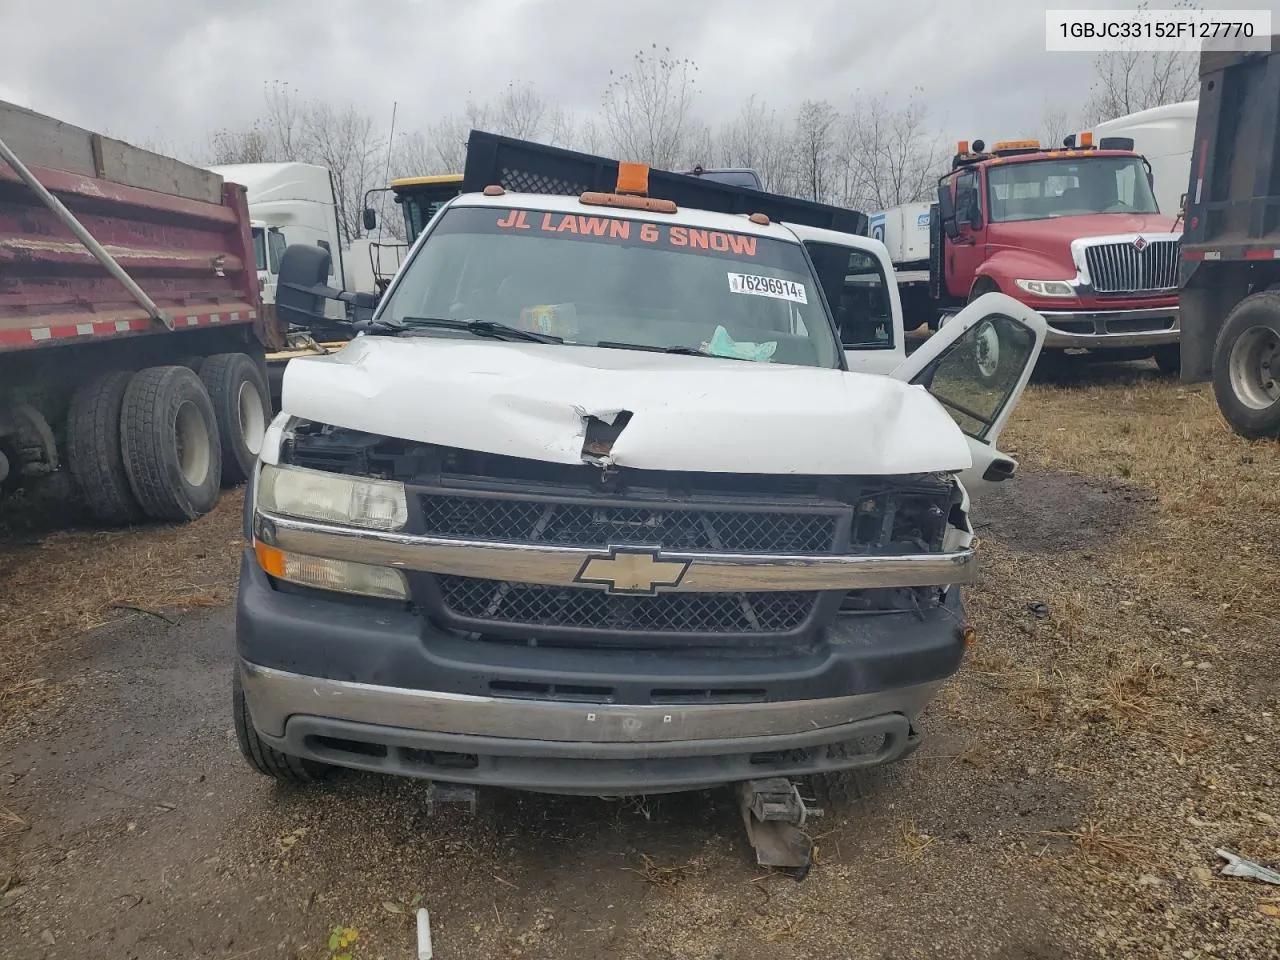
[(1246, 366), (265, 759)]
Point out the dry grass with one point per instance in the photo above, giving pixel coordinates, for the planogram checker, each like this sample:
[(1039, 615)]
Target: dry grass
[(1095, 843), (61, 583)]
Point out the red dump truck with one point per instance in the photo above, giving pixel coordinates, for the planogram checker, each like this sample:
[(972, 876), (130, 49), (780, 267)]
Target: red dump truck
[(132, 336)]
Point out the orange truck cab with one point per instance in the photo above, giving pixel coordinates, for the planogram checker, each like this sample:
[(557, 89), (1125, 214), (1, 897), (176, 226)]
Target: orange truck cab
[(1074, 233)]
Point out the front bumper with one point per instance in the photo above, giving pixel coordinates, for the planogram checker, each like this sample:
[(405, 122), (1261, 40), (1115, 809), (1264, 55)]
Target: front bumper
[(387, 690), (1111, 329)]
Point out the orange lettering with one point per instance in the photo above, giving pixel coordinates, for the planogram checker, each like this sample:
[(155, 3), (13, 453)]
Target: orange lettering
[(592, 226), (509, 220), (743, 245), (719, 241), (620, 229), (546, 223), (698, 239), (569, 223), (523, 223), (649, 233), (679, 237)]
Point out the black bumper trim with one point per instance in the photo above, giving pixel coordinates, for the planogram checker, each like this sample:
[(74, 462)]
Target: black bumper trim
[(593, 769)]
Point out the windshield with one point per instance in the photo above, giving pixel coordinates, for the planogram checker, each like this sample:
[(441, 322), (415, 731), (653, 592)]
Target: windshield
[(1040, 189), (607, 280)]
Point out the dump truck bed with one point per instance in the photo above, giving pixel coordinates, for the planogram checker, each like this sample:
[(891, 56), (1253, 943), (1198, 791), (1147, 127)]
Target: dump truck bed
[(180, 232)]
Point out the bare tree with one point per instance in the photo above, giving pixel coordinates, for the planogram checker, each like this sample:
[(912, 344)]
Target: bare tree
[(647, 110), (892, 156), (345, 141), (284, 120), (816, 127), (1055, 124), (249, 145), (757, 138), (1129, 80)]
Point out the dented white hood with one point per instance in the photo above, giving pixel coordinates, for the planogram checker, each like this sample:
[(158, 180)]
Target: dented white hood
[(699, 414)]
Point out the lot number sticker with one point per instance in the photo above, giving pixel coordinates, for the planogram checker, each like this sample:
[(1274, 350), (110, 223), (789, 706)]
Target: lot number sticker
[(767, 287)]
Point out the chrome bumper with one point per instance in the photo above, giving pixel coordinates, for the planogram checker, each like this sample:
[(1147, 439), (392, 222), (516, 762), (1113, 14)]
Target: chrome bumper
[(1102, 338), (616, 570), (273, 696)]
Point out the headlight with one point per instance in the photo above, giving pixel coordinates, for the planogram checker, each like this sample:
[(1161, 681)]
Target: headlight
[(333, 497), (322, 573), (1046, 288)]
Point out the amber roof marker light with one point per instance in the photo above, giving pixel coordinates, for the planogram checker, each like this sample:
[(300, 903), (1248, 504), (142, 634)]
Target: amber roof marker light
[(633, 179)]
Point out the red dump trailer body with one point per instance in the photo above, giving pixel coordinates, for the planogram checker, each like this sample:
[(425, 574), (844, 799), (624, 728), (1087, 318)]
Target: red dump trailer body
[(86, 346)]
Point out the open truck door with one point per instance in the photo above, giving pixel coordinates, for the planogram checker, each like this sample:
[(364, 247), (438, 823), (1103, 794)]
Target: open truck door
[(977, 366)]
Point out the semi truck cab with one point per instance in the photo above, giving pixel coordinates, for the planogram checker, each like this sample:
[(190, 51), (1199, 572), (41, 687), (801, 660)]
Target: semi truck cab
[(1074, 233)]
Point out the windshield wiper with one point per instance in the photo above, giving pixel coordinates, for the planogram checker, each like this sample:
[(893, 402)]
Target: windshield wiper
[(649, 348), (481, 328)]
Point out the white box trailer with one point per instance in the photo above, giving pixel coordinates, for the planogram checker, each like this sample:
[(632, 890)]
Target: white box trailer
[(904, 230), (1163, 135)]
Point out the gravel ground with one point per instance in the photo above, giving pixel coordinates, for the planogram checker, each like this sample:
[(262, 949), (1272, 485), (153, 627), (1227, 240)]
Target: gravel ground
[(1076, 777)]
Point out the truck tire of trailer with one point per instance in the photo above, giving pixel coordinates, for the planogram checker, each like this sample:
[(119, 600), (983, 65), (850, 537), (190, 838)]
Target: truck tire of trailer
[(169, 440), (94, 457), (1246, 366), (242, 404)]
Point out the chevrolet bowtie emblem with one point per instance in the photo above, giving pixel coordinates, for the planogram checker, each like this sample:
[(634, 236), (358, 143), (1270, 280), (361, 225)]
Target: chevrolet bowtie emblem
[(634, 572)]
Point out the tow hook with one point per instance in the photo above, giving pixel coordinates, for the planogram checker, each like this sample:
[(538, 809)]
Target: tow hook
[(774, 814)]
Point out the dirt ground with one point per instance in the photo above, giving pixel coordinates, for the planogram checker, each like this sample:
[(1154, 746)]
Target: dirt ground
[(1115, 723)]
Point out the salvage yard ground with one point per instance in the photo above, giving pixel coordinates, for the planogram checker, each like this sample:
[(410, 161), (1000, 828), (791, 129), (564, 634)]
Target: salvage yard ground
[(1117, 720)]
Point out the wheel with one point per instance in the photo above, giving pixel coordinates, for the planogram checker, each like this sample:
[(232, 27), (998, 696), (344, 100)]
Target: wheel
[(987, 348), (94, 456), (1246, 366), (169, 438), (987, 340), (267, 760), (242, 404), (1168, 358)]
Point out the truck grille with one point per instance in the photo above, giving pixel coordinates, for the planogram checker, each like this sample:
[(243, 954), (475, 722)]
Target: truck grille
[(599, 525), (501, 602), (1123, 268)]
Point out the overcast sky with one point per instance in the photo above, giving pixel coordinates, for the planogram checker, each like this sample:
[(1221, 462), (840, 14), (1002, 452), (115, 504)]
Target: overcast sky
[(168, 72)]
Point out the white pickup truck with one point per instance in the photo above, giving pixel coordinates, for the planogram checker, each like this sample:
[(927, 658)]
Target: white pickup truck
[(600, 504)]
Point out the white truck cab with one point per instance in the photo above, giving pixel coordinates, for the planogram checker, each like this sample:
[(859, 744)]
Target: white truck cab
[(598, 503), (291, 203)]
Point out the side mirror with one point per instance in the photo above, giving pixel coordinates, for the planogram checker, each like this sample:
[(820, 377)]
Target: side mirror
[(370, 218), (1182, 205), (947, 212), (364, 301), (301, 289)]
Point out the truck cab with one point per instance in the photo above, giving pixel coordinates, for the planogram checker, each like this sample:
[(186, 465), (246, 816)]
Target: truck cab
[(1074, 233), (290, 203), (597, 505)]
